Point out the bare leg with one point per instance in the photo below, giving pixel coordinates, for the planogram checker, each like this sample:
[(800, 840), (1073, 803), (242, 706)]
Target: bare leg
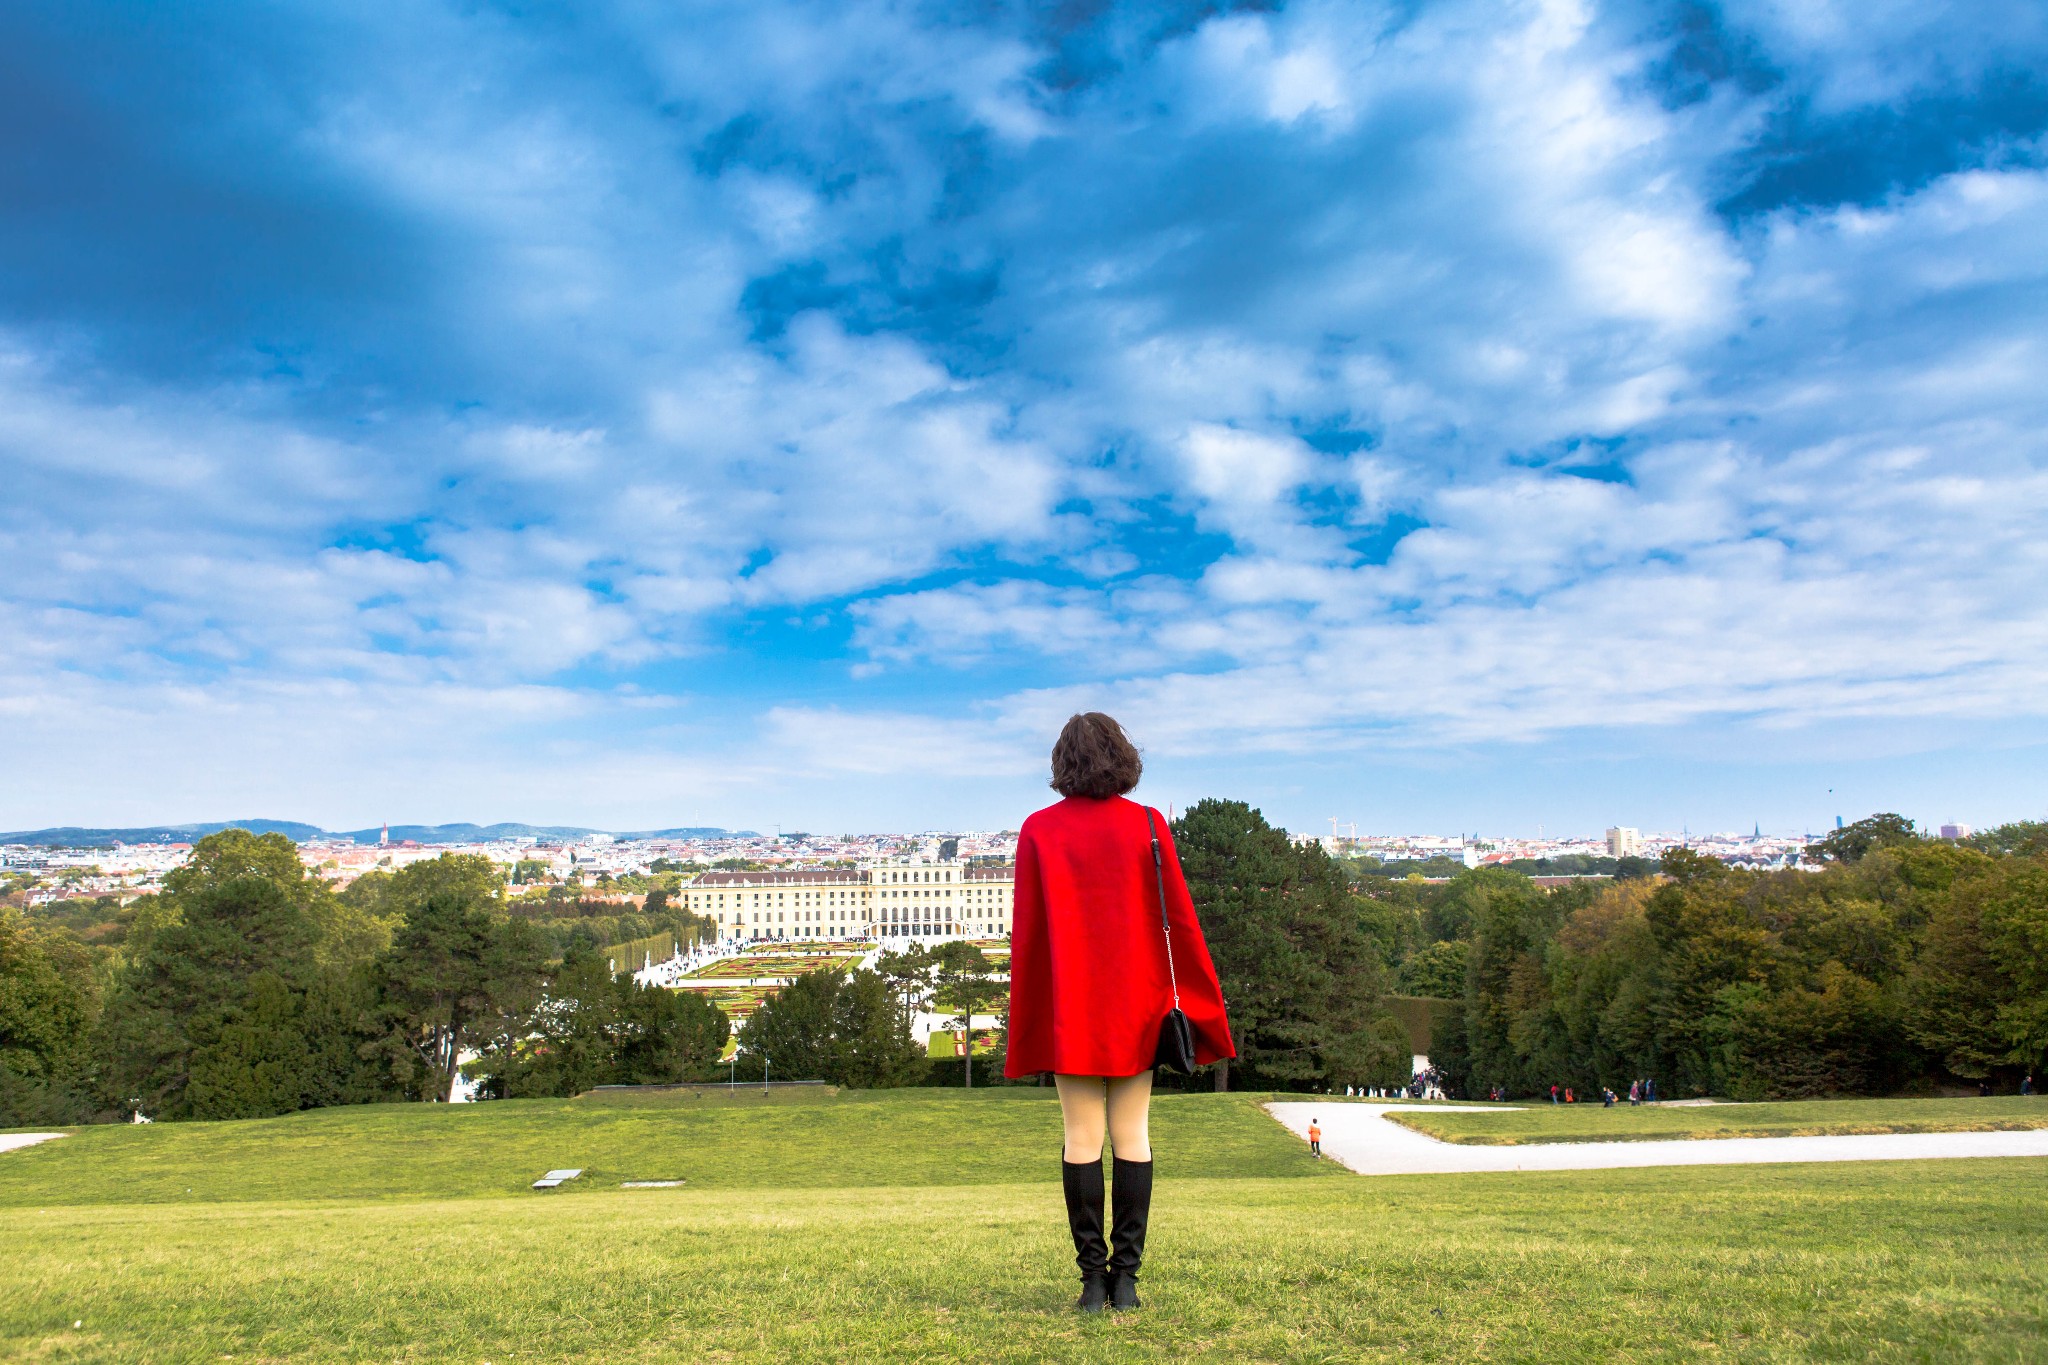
[(1083, 1108), (1130, 1108)]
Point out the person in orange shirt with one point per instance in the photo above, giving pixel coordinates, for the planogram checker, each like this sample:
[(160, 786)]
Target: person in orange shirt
[(1315, 1139)]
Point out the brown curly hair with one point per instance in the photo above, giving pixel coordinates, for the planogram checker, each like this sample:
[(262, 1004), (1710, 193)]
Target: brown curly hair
[(1094, 757)]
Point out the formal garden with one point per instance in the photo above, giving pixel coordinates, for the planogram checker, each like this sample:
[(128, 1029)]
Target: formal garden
[(774, 963)]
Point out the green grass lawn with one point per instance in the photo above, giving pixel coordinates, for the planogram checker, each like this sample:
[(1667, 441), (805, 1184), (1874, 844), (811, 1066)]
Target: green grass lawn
[(940, 1045), (926, 1226), (791, 1139), (1544, 1122)]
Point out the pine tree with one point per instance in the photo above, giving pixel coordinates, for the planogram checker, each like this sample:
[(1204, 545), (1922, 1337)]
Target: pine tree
[(1301, 975)]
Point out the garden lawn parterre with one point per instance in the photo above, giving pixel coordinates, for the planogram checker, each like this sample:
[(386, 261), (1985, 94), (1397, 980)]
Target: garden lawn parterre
[(926, 1225), (1541, 1121), (738, 1002), (942, 1042), (773, 964)]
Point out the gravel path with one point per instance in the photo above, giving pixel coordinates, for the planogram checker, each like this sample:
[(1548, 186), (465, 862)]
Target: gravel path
[(9, 1141), (1357, 1136)]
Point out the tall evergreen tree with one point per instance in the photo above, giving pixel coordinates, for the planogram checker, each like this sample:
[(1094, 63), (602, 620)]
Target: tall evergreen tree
[(665, 1036), (457, 979), (1300, 972), (1506, 1006), (872, 1045), (242, 931), (795, 1030)]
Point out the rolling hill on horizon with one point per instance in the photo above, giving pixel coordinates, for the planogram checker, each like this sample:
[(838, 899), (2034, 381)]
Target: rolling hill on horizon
[(79, 836)]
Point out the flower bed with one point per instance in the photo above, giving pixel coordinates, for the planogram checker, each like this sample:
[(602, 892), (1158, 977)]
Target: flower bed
[(739, 1002), (941, 1043), (772, 964)]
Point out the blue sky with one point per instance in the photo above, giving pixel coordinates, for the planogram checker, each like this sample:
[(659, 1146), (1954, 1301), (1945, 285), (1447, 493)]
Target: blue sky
[(1440, 416)]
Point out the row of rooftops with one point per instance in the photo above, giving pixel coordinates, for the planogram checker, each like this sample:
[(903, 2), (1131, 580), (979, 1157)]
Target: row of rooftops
[(857, 876)]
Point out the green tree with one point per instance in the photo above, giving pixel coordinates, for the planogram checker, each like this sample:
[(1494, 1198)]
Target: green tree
[(964, 982), (142, 919), (1852, 843), (1956, 986), (1602, 965), (243, 910), (591, 1028), (1438, 970), (1301, 974), (236, 855), (255, 1060), (665, 1036), (909, 976), (571, 1042), (1798, 1043), (2015, 919), (1389, 918), (1389, 1060), (1688, 867), (795, 1029), (1706, 940), (846, 1028), (2021, 838), (456, 978), (45, 1014), (873, 1045), (366, 893), (469, 878), (1505, 991)]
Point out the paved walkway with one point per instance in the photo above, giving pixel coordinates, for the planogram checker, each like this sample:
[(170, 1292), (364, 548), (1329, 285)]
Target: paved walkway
[(9, 1141), (1357, 1136)]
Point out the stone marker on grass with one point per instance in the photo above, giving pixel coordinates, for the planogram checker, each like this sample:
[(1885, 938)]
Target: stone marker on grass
[(554, 1178)]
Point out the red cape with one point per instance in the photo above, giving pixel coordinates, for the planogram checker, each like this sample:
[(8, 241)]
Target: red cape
[(1088, 978)]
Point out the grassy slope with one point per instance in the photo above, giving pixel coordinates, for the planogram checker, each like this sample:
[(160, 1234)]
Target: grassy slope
[(1808, 1118), (1941, 1261), (924, 1225), (794, 1139)]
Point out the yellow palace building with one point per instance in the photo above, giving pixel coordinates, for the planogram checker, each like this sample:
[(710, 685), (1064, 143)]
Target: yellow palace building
[(915, 897)]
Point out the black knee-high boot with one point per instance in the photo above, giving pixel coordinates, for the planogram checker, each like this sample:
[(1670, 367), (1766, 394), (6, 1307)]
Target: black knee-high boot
[(1081, 1182), (1130, 1209)]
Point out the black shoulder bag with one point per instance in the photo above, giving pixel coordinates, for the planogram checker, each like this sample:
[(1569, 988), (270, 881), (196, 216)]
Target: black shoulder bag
[(1176, 1036)]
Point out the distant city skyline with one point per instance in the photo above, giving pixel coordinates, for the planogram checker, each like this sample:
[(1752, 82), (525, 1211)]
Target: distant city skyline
[(1347, 830), (1441, 415)]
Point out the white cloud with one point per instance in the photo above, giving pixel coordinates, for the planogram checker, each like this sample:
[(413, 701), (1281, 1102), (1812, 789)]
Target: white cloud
[(1048, 391)]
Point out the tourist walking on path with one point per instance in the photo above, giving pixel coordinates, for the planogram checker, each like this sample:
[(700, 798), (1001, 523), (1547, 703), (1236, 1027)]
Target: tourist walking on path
[(1093, 972), (1315, 1140)]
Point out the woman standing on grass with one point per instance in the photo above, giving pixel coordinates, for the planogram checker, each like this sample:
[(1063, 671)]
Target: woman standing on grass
[(1090, 984)]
